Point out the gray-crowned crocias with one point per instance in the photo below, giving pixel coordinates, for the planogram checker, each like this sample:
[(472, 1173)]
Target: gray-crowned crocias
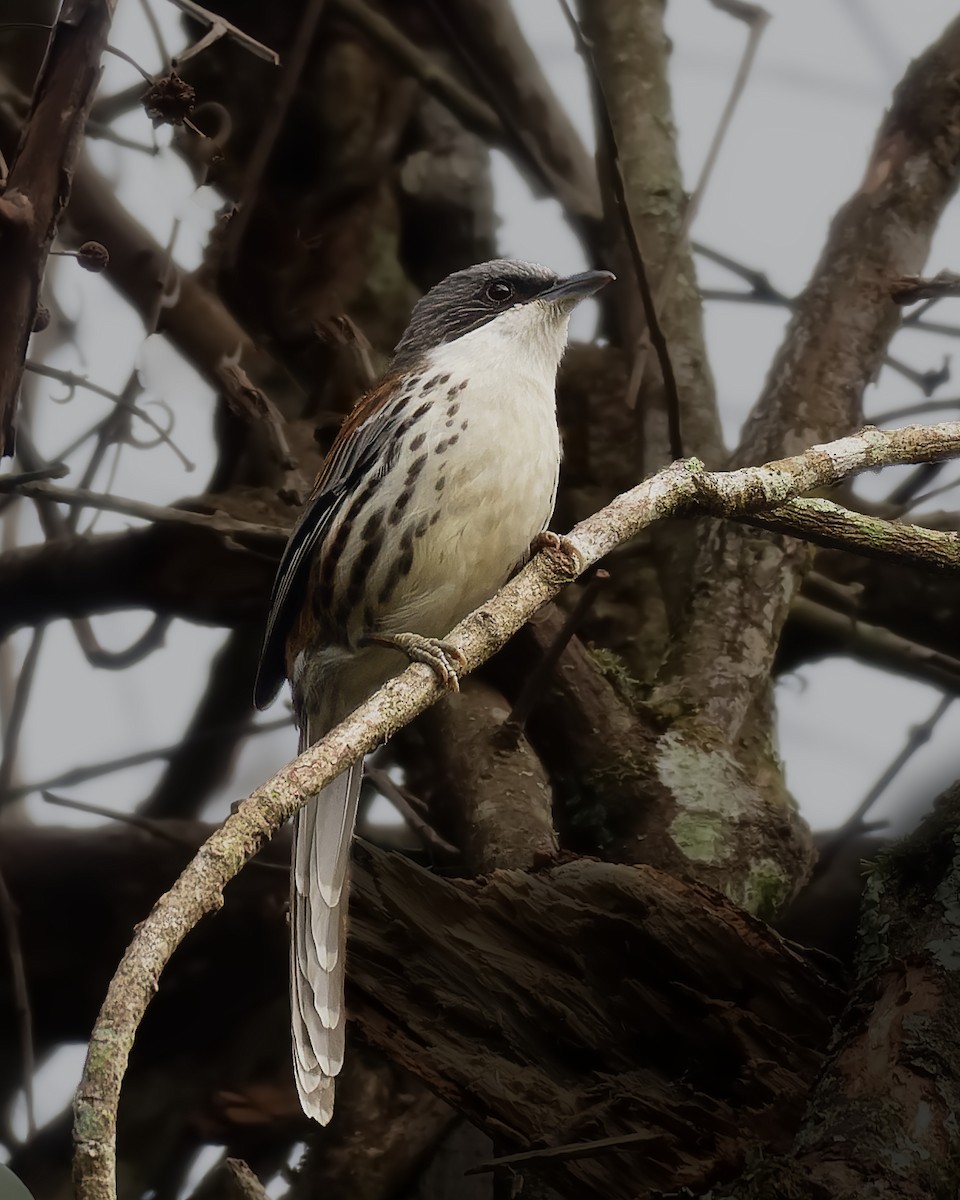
[(435, 487)]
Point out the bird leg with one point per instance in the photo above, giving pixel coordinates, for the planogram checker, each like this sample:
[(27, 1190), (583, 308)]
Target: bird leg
[(444, 658)]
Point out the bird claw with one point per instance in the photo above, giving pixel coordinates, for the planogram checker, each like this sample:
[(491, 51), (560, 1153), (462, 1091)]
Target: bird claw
[(444, 658), (564, 557)]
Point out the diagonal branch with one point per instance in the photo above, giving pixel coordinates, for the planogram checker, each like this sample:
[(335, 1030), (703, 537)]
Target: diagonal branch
[(719, 664), (680, 489)]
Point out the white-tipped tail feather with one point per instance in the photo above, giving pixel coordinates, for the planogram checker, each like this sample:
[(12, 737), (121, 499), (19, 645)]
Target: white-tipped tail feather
[(322, 832)]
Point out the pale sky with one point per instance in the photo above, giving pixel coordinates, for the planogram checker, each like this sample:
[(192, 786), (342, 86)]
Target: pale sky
[(797, 148)]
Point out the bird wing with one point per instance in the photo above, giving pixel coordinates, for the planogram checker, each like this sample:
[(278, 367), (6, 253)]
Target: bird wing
[(365, 446)]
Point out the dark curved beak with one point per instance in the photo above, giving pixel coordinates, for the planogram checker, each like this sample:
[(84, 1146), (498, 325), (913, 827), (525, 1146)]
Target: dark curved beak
[(575, 288)]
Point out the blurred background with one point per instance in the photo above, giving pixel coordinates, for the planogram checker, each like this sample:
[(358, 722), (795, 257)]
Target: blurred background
[(796, 148)]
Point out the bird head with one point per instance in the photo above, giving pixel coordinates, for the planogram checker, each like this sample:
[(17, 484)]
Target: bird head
[(511, 314)]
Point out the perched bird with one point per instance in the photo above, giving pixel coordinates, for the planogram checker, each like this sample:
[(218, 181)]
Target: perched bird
[(436, 485)]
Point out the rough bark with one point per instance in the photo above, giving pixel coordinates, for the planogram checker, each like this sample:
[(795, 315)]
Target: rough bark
[(721, 659), (492, 796), (535, 1062), (881, 1122), (629, 47), (38, 184)]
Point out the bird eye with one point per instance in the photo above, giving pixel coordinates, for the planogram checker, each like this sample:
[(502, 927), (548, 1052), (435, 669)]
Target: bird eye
[(499, 292)]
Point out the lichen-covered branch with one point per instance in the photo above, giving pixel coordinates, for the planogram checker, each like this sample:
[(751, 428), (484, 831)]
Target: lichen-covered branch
[(681, 488), (745, 582)]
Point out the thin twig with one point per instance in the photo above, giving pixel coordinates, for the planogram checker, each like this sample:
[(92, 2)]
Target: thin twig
[(77, 775), (399, 798), (72, 380), (475, 113), (156, 828), (220, 27), (917, 737), (152, 512), (915, 409), (926, 381), (271, 126), (546, 664), (876, 646), (118, 53), (21, 997), (18, 710), (757, 19), (642, 1139), (156, 32), (909, 289), (12, 483), (611, 149)]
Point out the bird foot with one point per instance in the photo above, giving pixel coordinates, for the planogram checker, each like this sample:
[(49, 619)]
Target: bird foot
[(446, 659), (562, 554)]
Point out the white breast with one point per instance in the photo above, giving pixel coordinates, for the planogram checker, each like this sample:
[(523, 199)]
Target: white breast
[(489, 481)]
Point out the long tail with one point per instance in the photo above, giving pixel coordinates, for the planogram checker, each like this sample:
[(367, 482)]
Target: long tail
[(322, 832)]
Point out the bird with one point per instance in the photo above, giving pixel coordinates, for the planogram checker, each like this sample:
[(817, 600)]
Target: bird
[(435, 489)]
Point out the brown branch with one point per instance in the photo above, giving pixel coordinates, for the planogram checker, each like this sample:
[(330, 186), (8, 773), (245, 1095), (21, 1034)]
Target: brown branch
[(489, 42), (611, 149), (909, 289), (221, 27), (184, 570), (200, 888), (827, 524), (834, 345), (13, 483), (269, 536), (878, 647), (38, 183)]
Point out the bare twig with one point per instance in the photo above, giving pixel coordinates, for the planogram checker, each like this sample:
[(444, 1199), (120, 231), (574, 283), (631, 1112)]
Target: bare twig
[(917, 737), (155, 828), (271, 126), (876, 646), (914, 409), (72, 380), (155, 31), (77, 775), (12, 483), (486, 38), (827, 524), (220, 27), (152, 512), (21, 996), (535, 681), (679, 488), (475, 113), (18, 710), (926, 381), (642, 1139), (909, 289), (400, 798)]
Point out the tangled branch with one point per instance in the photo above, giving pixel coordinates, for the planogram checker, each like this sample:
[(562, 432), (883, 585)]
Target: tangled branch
[(682, 488)]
